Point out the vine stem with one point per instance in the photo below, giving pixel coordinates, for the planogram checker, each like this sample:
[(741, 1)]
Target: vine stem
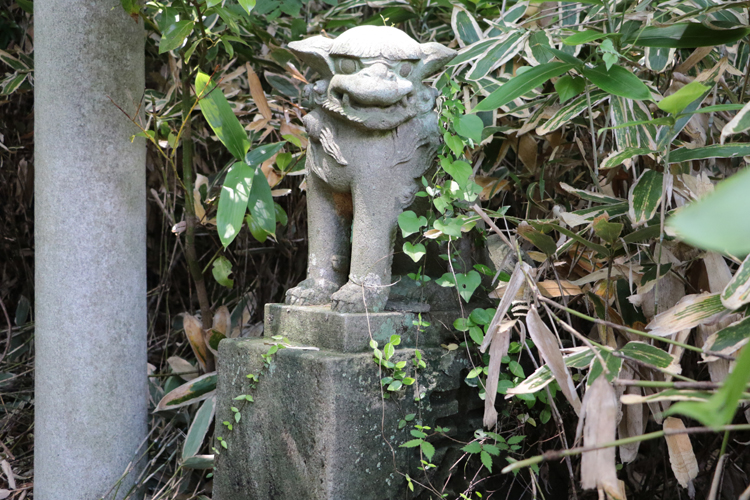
[(661, 222), (558, 454)]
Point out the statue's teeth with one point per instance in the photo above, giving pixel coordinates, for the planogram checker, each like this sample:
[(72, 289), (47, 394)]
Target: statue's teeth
[(346, 100)]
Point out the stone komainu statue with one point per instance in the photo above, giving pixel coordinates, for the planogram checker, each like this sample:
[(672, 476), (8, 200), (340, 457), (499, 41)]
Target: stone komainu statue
[(373, 133)]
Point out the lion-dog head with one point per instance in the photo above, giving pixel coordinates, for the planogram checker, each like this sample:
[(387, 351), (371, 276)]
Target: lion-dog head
[(372, 75)]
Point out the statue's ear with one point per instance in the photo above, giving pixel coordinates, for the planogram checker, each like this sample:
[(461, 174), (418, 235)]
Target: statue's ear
[(434, 57), (315, 52)]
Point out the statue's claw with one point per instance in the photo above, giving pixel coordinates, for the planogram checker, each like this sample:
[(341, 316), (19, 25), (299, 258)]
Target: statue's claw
[(311, 292)]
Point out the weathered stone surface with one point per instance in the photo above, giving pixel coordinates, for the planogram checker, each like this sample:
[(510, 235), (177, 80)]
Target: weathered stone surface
[(318, 429), (90, 236), (320, 327), (373, 133)]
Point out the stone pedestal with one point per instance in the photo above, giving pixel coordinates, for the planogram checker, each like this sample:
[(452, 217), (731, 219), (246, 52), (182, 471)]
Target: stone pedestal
[(318, 427)]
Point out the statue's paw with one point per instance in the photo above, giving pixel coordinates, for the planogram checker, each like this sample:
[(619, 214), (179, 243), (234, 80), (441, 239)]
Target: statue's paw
[(351, 299), (311, 292)]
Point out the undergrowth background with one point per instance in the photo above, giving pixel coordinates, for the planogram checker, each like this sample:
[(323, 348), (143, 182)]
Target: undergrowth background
[(560, 153)]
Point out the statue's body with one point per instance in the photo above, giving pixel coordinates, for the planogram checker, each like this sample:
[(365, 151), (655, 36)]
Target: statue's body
[(373, 133)]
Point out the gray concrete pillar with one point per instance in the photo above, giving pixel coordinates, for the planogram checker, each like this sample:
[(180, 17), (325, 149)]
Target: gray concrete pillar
[(90, 223)]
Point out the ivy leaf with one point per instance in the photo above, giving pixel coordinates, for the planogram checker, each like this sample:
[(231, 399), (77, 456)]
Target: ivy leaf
[(175, 34), (412, 444), (428, 450), (473, 448), (416, 252), (467, 283), (678, 101), (410, 223), (221, 270), (486, 460), (469, 126)]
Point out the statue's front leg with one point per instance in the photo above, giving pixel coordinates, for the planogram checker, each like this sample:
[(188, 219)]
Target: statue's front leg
[(329, 220), (378, 202)]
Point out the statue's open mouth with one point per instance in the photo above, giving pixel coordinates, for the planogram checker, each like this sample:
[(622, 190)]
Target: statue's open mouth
[(372, 114)]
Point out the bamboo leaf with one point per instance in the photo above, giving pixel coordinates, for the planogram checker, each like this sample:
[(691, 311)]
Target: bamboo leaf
[(546, 342), (199, 428), (586, 36), (644, 197), (188, 393), (498, 54), (681, 455), (521, 84), (261, 206), (625, 156), (571, 110), (740, 123), (733, 150), (220, 116), (712, 222), (651, 355), (730, 339), (618, 81), (598, 468), (737, 292), (684, 36), (579, 359), (196, 338), (233, 201), (689, 312), (678, 101)]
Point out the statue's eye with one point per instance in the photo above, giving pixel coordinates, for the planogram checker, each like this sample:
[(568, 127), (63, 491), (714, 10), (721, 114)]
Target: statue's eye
[(405, 69), (347, 66)]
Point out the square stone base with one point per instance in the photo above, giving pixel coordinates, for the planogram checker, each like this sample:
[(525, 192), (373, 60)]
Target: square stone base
[(318, 428)]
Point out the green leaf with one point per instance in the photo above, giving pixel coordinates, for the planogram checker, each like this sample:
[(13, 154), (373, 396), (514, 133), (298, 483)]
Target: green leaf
[(542, 376), (459, 169), (712, 223), (248, 5), (221, 270), (412, 443), (261, 205), (486, 460), (651, 355), (644, 197), (467, 283), (737, 292), (131, 6), (476, 335), (515, 439), (684, 36), (262, 153), (410, 223), (196, 390), (678, 101), (198, 428), (175, 34), (220, 116), (480, 316), (618, 81), (540, 240), (689, 312), (617, 158), (583, 37), (416, 252), (474, 447), (233, 201), (720, 409), (428, 450), (201, 462), (503, 50), (469, 126), (568, 87), (734, 150), (728, 340), (571, 110), (740, 123), (520, 84), (608, 231)]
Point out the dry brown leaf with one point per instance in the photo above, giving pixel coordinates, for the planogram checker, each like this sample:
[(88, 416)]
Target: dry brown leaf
[(8, 474), (297, 131), (490, 186), (553, 289), (200, 212), (498, 349), (515, 285), (697, 56), (256, 91), (527, 152), (632, 423), (599, 412), (718, 272), (536, 256), (194, 333), (681, 456), (183, 367), (222, 320), (546, 342)]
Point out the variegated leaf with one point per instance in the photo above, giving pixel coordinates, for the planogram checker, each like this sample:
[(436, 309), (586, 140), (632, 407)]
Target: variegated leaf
[(666, 395), (644, 197), (740, 123), (580, 358), (571, 110), (737, 292), (730, 339), (689, 312), (625, 157), (506, 47), (651, 355), (658, 59)]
